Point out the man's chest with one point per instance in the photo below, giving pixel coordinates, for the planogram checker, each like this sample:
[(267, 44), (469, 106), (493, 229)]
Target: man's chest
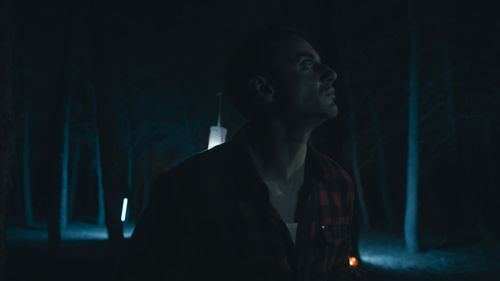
[(284, 199), (286, 206)]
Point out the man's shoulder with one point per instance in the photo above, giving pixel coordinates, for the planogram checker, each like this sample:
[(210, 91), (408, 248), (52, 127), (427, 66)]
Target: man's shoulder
[(202, 167)]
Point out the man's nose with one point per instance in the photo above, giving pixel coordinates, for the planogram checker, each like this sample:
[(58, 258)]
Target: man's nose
[(329, 75)]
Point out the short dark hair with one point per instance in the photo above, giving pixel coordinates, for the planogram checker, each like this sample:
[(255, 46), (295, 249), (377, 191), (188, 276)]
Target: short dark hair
[(253, 56)]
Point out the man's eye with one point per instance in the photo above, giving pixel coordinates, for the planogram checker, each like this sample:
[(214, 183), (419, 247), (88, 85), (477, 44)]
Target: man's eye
[(308, 64)]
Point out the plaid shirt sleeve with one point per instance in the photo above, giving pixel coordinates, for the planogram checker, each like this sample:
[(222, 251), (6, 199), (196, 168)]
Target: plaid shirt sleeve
[(338, 200), (342, 270), (325, 238)]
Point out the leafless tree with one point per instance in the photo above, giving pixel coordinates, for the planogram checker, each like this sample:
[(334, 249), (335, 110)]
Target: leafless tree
[(7, 123), (411, 212), (107, 128)]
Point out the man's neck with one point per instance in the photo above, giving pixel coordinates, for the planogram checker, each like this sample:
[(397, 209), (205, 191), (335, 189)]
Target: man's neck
[(278, 150)]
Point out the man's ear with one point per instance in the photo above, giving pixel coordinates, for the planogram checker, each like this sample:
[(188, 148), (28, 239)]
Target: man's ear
[(261, 87)]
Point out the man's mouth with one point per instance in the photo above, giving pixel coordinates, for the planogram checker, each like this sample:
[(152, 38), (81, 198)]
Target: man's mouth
[(331, 93)]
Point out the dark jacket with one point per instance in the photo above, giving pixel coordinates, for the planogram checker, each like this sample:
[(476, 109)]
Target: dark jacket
[(210, 218)]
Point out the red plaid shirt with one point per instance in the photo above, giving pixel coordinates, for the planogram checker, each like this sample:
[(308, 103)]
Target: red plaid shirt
[(210, 218)]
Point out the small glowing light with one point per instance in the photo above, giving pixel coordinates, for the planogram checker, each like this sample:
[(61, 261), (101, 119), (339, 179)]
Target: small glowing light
[(217, 136), (353, 261), (124, 209)]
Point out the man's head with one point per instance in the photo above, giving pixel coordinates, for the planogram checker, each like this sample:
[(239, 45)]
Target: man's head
[(278, 73)]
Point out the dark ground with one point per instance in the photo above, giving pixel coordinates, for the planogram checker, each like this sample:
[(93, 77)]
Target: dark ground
[(84, 255)]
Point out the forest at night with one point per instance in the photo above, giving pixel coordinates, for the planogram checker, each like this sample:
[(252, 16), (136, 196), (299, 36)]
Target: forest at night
[(99, 98)]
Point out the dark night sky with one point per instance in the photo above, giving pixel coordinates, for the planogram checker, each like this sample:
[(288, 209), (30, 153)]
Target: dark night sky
[(164, 63)]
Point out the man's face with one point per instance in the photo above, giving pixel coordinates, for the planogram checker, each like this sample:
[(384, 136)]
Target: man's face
[(304, 86)]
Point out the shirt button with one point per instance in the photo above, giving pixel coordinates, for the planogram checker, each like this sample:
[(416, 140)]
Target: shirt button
[(323, 227)]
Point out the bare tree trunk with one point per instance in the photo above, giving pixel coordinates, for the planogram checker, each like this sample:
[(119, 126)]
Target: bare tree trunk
[(7, 124), (136, 188), (28, 211), (65, 165), (411, 212), (100, 189), (100, 194), (382, 175), (108, 135), (355, 167), (145, 178), (130, 156), (131, 193), (478, 209), (55, 149), (486, 234), (365, 218), (74, 179), (108, 153), (448, 79), (428, 189)]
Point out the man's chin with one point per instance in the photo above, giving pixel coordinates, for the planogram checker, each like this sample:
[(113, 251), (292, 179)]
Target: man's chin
[(332, 112)]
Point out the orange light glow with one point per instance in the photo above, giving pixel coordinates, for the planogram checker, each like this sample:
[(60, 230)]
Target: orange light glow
[(353, 261)]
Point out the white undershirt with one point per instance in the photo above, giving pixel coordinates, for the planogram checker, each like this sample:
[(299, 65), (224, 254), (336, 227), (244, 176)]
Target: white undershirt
[(292, 228)]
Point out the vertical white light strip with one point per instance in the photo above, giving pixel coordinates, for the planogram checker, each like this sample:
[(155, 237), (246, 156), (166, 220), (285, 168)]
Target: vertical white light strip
[(124, 209)]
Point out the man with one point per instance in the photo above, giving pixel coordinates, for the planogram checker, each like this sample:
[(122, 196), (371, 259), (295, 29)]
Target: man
[(265, 205)]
